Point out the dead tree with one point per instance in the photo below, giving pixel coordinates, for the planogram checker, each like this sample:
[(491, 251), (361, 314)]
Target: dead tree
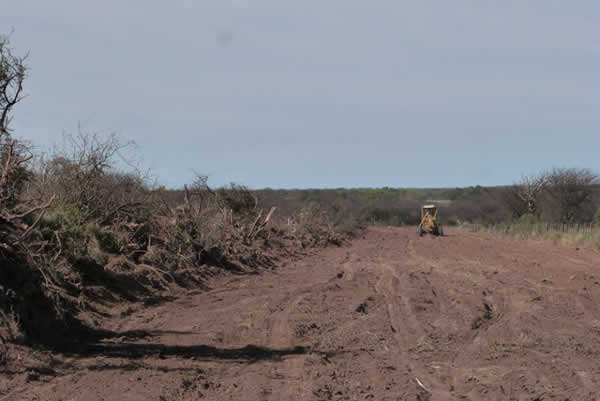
[(530, 189)]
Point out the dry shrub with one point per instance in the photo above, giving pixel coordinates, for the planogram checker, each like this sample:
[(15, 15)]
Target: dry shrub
[(238, 199), (9, 327), (313, 226), (83, 175), (211, 227)]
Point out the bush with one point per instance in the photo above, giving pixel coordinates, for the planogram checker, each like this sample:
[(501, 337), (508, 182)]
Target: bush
[(237, 198), (313, 226), (451, 221), (597, 217), (107, 240), (528, 219)]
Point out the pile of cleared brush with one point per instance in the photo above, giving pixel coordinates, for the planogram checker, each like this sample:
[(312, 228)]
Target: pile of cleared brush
[(78, 233)]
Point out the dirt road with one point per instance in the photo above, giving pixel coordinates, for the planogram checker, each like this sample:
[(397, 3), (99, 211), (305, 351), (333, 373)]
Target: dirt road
[(388, 317)]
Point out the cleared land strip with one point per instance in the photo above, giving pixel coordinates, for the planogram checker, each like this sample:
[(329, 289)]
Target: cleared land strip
[(389, 317)]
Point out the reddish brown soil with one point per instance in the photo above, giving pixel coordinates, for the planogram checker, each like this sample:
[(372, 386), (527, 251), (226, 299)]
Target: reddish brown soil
[(388, 317)]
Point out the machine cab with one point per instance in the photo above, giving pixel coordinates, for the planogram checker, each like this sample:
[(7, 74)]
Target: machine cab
[(430, 210), (429, 221)]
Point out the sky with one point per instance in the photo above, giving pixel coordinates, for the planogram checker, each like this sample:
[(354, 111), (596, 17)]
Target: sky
[(318, 94)]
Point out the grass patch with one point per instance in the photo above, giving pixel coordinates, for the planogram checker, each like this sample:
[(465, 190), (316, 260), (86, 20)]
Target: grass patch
[(529, 228)]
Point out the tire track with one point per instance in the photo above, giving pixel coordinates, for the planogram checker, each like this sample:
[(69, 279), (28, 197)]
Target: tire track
[(397, 323), (406, 326), (293, 370)]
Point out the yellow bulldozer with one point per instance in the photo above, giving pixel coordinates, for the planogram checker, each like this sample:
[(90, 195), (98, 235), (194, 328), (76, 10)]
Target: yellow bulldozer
[(429, 222)]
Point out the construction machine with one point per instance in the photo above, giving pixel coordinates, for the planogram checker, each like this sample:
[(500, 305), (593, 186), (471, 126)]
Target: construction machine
[(429, 221)]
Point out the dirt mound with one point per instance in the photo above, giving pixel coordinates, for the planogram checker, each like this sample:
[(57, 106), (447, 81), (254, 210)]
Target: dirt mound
[(389, 317)]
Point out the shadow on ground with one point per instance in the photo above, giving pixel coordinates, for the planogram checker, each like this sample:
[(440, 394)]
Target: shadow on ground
[(107, 350), (123, 345), (250, 353)]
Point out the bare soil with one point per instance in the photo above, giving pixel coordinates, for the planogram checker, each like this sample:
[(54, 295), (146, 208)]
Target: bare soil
[(390, 316)]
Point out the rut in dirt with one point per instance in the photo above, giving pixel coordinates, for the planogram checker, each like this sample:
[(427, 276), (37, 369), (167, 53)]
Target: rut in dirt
[(390, 316)]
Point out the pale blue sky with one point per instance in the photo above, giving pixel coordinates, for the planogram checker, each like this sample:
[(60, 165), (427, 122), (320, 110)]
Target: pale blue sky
[(319, 93)]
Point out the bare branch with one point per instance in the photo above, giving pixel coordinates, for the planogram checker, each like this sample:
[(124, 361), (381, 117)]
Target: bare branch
[(43, 208), (571, 189), (529, 190), (12, 75)]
